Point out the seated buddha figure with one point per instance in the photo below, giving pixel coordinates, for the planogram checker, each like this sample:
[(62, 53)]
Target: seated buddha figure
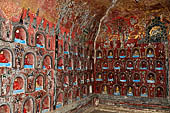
[(129, 65), (136, 53), (110, 55), (60, 63), (150, 52), (2, 58), (99, 77), (110, 77), (27, 62), (18, 86), (143, 65), (39, 41), (66, 48), (39, 84), (159, 92), (66, 81), (159, 65), (47, 63), (117, 65), (122, 53), (75, 81), (59, 100), (99, 55), (130, 92), (123, 78), (136, 77), (70, 65), (104, 89), (117, 91), (151, 78), (144, 92), (105, 65)]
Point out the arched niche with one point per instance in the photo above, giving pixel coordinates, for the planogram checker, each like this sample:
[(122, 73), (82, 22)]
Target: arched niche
[(144, 91), (28, 105), (70, 96), (19, 84), (78, 94), (150, 52), (29, 60), (66, 81), (66, 48), (60, 98), (30, 81), (75, 83), (158, 65), (143, 65), (84, 91), (99, 77), (40, 39), (99, 54), (75, 50), (110, 77), (20, 34), (47, 62), (82, 79), (123, 77), (159, 92), (117, 65), (136, 77), (104, 89), (110, 54), (5, 108), (82, 52), (136, 53), (45, 104), (151, 78), (70, 66), (117, 90), (87, 77), (130, 91), (39, 83), (6, 58), (129, 65), (122, 53), (105, 65), (78, 66), (60, 63)]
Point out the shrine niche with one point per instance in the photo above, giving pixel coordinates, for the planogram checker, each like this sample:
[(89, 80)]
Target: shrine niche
[(29, 60), (150, 52), (70, 66), (78, 65), (99, 77), (144, 91), (45, 104), (5, 108), (78, 94), (104, 89), (18, 85), (60, 98), (28, 105), (110, 77), (116, 90), (130, 91), (129, 65), (105, 65), (66, 81), (122, 53), (117, 65), (82, 78), (75, 83), (151, 78), (20, 34), (99, 54), (143, 65), (30, 81), (84, 91), (75, 50), (159, 92), (40, 40), (47, 62), (39, 83), (158, 65), (70, 96), (136, 78), (6, 58), (123, 77), (82, 52), (66, 47), (136, 53), (60, 63), (110, 54)]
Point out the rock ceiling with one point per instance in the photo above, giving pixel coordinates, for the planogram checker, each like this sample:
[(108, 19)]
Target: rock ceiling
[(86, 12)]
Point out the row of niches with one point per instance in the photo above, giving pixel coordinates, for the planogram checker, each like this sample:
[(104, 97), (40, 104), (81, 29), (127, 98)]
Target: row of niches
[(149, 52), (31, 104), (131, 65), (21, 84), (19, 34), (142, 91), (74, 64), (27, 61), (138, 78)]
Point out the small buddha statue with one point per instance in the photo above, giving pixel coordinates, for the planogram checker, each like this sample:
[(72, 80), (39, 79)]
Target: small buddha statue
[(130, 64), (26, 61), (17, 34), (159, 64), (117, 89), (136, 53), (39, 41), (144, 91), (100, 55), (130, 90), (159, 92), (2, 58), (16, 85), (122, 53), (143, 64), (151, 78)]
